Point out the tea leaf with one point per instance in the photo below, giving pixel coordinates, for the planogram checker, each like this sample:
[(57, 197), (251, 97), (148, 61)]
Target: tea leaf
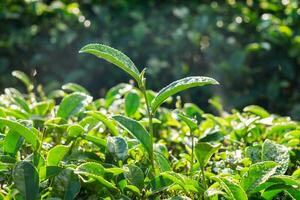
[(96, 171), (26, 180), (134, 175), (107, 122), (71, 104), (56, 154), (204, 151), (118, 147), (234, 191), (66, 184), (24, 78), (178, 86), (258, 174), (132, 103), (12, 142), (73, 87), (159, 183), (275, 152), (28, 134), (113, 56), (162, 162), (136, 130), (257, 110), (192, 124)]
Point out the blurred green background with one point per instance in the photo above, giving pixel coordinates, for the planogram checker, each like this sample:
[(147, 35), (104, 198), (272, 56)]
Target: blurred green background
[(251, 47)]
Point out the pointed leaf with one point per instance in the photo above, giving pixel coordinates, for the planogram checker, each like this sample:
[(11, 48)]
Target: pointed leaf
[(134, 175), (234, 191), (192, 123), (72, 103), (26, 179), (96, 171), (132, 103), (66, 184), (178, 86), (113, 56), (56, 154), (24, 78), (258, 174), (29, 135), (204, 151), (75, 88), (136, 130), (107, 122)]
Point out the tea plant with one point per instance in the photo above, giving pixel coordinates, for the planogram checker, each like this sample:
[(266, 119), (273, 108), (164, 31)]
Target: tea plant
[(65, 145)]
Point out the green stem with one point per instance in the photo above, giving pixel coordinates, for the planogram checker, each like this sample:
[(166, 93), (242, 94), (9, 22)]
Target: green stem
[(192, 156), (150, 116), (203, 181)]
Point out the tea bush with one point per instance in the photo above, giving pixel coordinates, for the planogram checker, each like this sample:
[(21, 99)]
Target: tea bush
[(67, 145), (253, 43)]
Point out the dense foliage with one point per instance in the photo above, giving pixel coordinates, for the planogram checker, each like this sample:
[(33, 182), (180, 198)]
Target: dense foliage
[(67, 145), (252, 43)]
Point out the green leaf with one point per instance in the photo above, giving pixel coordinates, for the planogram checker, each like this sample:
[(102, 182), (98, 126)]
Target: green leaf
[(162, 162), (107, 122), (75, 88), (113, 56), (276, 152), (132, 103), (12, 142), (96, 140), (75, 130), (234, 191), (118, 147), (96, 171), (192, 123), (204, 151), (159, 183), (24, 78), (258, 174), (178, 86), (46, 172), (66, 184), (29, 135), (136, 130), (56, 154), (26, 180), (71, 104), (257, 110), (134, 175)]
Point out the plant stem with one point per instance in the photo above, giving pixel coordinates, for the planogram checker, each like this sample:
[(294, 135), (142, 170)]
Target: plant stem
[(150, 116), (203, 181), (192, 156)]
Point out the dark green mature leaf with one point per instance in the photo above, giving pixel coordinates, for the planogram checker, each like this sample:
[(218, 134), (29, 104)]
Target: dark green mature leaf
[(132, 103), (136, 130), (113, 56), (134, 175), (56, 154), (71, 104), (26, 180), (258, 174), (29, 135), (276, 152), (159, 183), (118, 147), (96, 171), (204, 151), (107, 122), (234, 191), (66, 185), (178, 86)]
